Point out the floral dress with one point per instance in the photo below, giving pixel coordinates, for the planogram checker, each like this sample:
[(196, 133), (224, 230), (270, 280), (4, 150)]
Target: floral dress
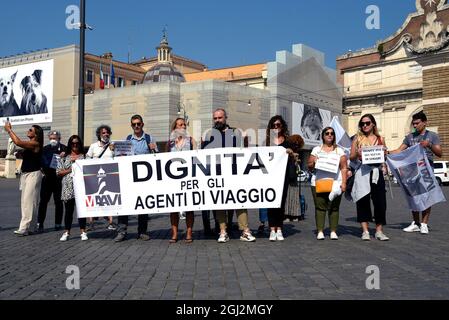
[(68, 192)]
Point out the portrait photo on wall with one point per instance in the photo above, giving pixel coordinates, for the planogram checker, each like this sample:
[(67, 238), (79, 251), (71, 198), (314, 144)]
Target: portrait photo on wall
[(26, 93), (309, 121)]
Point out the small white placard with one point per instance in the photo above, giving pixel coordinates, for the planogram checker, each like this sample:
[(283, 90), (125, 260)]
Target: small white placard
[(328, 162), (373, 155), (123, 148)]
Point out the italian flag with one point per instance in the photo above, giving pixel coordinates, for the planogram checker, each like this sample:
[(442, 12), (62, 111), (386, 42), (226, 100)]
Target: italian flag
[(101, 78)]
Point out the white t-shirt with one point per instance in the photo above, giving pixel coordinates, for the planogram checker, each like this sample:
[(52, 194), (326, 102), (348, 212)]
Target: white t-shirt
[(96, 149), (323, 174)]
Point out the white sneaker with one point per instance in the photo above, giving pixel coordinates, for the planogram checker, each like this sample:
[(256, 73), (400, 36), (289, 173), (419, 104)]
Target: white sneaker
[(424, 228), (84, 236), (64, 237), (412, 228), (334, 236), (366, 236), (223, 238), (320, 236), (273, 235), (381, 236), (247, 236), (279, 235)]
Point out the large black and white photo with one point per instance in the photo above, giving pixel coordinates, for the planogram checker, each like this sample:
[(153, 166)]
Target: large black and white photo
[(308, 121), (27, 93)]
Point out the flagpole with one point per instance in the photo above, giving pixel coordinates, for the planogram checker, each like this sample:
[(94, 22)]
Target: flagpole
[(81, 70)]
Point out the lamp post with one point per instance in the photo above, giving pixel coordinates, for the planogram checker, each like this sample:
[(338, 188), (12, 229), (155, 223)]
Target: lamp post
[(81, 69)]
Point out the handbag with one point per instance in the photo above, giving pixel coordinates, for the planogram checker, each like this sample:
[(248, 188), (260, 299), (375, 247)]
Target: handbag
[(324, 185)]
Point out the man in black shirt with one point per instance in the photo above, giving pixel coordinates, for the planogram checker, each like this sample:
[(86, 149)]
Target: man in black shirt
[(51, 184)]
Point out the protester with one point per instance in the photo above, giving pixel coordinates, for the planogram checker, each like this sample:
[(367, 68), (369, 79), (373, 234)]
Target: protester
[(31, 177), (323, 200), (369, 182), (101, 149), (51, 183), (75, 151), (263, 218), (293, 206), (430, 141), (181, 141), (277, 135), (142, 143), (221, 136)]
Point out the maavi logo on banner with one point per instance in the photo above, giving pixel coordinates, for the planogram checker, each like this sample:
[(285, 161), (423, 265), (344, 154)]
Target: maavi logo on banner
[(102, 183)]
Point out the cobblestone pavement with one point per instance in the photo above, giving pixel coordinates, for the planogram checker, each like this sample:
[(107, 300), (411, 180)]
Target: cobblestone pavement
[(412, 266)]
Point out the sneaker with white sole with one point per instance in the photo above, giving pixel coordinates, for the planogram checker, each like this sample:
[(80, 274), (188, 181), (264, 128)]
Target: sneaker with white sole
[(273, 235), (320, 236), (84, 236), (247, 236), (334, 236), (223, 238), (424, 228), (381, 236), (279, 235), (413, 227), (366, 236), (65, 236)]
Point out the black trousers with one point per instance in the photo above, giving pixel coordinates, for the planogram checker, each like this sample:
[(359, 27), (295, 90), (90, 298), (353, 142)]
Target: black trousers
[(142, 223), (68, 219), (50, 185), (276, 215), (379, 200)]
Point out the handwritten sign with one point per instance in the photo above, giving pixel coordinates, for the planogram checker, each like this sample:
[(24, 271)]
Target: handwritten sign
[(328, 162), (373, 155), (123, 148)]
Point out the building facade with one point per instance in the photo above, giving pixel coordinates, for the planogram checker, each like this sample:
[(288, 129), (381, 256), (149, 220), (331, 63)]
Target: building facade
[(402, 75), (250, 94)]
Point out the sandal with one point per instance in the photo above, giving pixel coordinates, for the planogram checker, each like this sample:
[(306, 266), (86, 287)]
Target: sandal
[(188, 240), (173, 240)]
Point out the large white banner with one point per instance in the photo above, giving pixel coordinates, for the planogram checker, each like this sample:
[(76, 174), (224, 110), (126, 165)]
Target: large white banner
[(415, 175), (26, 94), (308, 122), (224, 178)]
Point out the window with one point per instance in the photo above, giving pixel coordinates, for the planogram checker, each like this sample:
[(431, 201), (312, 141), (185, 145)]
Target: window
[(120, 82), (90, 76), (135, 83), (438, 165)]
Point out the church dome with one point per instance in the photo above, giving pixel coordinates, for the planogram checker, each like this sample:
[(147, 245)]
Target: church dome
[(164, 70)]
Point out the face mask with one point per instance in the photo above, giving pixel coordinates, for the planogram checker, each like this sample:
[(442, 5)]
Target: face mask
[(53, 143), (105, 139)]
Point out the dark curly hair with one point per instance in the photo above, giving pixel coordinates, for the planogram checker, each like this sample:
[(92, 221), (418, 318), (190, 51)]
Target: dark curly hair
[(284, 129), (100, 128)]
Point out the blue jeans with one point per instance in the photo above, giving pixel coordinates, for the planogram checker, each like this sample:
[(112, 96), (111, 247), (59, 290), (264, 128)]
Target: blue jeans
[(263, 215)]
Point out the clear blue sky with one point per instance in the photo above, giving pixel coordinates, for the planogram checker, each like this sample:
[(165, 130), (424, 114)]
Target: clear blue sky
[(216, 33)]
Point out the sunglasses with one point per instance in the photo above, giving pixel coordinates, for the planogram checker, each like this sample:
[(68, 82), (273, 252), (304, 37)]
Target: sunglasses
[(75, 143), (30, 130), (276, 125), (329, 133), (137, 124), (365, 124)]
